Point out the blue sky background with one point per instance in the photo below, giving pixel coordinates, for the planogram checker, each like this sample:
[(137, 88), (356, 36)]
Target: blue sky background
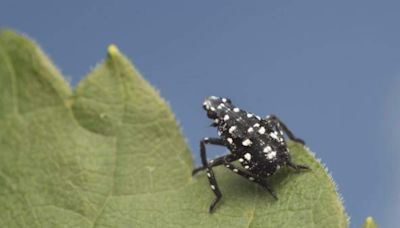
[(330, 70)]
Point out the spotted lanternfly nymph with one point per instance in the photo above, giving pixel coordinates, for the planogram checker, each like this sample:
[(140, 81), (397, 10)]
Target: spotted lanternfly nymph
[(258, 144)]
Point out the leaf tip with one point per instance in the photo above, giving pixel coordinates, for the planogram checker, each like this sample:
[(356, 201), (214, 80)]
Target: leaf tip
[(113, 50), (370, 223)]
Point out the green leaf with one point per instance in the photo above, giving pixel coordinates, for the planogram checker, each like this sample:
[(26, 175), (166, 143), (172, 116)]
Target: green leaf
[(110, 154), (369, 223)]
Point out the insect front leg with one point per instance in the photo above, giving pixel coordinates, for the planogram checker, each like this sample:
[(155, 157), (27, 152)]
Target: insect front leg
[(210, 173), (215, 162), (227, 162), (282, 127)]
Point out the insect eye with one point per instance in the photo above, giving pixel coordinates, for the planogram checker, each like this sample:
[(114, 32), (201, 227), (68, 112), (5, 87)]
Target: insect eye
[(227, 100), (211, 114)]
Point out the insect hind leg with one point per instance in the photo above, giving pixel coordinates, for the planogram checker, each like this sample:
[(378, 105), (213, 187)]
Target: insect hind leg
[(260, 181), (297, 167), (282, 127)]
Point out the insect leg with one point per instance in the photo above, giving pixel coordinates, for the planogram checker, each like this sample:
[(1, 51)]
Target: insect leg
[(282, 127), (247, 175), (297, 167), (216, 162), (210, 174)]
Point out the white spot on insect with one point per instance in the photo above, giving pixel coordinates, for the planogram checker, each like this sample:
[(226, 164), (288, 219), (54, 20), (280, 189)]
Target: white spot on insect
[(206, 105), (271, 155), (249, 115), (236, 109), (232, 129), (267, 149), (250, 130), (278, 167), (246, 167), (251, 178), (212, 187), (230, 140), (226, 117), (216, 120), (241, 160), (224, 100), (258, 117), (212, 108), (274, 135), (206, 139), (256, 125), (227, 166), (261, 130), (247, 142), (208, 174), (247, 156), (220, 106), (235, 170)]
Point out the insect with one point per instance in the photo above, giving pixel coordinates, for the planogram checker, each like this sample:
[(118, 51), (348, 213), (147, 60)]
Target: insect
[(258, 144)]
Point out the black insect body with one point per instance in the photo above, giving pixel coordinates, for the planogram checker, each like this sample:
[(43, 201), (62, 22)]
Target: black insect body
[(258, 144)]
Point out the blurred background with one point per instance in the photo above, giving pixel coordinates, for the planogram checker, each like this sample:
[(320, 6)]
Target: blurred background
[(330, 70)]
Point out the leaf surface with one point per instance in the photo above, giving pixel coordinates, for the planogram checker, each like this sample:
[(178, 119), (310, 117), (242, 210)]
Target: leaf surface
[(110, 154)]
